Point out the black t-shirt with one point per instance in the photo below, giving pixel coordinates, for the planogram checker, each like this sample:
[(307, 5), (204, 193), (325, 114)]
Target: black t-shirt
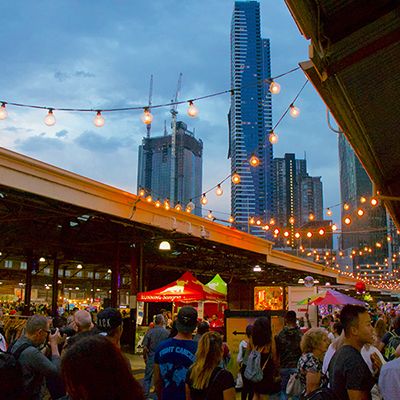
[(348, 371), (219, 383)]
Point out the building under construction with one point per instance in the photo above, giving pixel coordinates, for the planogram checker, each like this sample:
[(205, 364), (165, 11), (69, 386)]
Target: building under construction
[(181, 182)]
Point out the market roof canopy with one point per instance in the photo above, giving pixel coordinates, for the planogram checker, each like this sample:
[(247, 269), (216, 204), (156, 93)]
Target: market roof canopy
[(355, 58), (185, 289), (218, 284)]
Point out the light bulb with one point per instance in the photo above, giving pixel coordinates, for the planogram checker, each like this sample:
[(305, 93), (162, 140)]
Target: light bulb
[(192, 110), (374, 201), (166, 204), (158, 203), (98, 120), (258, 222), (272, 221), (219, 191), (360, 212), (252, 221), (286, 234), (3, 111), (210, 215), (347, 220), (346, 206), (142, 192), (236, 178), (203, 199), (297, 235), (190, 206), (273, 137), (231, 219), (147, 117), (309, 234), (321, 232), (363, 199), (311, 217), (294, 111), (178, 207), (328, 212), (334, 227), (149, 199), (276, 231), (50, 119), (274, 87), (254, 161), (291, 220)]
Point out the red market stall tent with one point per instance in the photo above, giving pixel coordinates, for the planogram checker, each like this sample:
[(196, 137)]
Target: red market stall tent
[(187, 290)]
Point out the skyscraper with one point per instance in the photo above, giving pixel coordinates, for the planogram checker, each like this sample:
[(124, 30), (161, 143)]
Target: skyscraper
[(154, 167), (296, 195), (250, 117)]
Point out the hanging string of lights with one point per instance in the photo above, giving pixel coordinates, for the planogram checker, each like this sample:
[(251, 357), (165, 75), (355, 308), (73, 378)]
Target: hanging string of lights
[(146, 117)]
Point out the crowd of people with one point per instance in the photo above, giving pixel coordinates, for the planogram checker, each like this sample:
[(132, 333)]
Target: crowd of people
[(347, 357)]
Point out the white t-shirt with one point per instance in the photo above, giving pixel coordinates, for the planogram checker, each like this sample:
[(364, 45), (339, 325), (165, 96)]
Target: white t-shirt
[(242, 347)]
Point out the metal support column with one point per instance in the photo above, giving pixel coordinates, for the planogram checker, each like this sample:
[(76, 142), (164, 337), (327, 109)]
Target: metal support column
[(28, 282), (115, 279), (54, 293)]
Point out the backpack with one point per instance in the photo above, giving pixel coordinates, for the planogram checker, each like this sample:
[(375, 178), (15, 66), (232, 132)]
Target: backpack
[(11, 373), (390, 349), (253, 371)]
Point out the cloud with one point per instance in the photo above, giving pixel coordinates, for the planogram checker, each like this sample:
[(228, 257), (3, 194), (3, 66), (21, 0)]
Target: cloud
[(64, 76), (39, 144), (94, 142), (62, 133)]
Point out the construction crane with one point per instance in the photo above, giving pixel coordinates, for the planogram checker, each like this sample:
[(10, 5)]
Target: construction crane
[(174, 113), (148, 126)]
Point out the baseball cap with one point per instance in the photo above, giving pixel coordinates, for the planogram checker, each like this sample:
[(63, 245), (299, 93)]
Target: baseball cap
[(109, 319), (187, 319)]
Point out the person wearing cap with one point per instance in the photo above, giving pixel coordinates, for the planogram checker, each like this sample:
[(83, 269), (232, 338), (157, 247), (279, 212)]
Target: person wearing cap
[(151, 341), (109, 321), (174, 356)]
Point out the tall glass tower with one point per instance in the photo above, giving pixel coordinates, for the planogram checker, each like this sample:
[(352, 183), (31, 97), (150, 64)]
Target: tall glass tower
[(250, 117)]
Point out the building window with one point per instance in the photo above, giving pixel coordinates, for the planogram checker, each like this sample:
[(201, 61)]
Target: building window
[(8, 264), (23, 265)]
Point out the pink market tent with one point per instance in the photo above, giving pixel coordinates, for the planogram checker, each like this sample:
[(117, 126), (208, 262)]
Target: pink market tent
[(331, 297), (186, 289)]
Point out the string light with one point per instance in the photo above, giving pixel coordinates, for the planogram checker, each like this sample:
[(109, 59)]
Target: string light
[(231, 219), (311, 217), (149, 199), (236, 178), (50, 119), (309, 234), (157, 203), (210, 215), (3, 111), (362, 199), (360, 212), (142, 192), (252, 221), (297, 235), (147, 117), (328, 212), (178, 207), (274, 87), (190, 206), (374, 201), (218, 190), (321, 232), (294, 111), (167, 206), (192, 110), (98, 120), (347, 220), (334, 227), (203, 199), (291, 220), (273, 137), (346, 207), (254, 161)]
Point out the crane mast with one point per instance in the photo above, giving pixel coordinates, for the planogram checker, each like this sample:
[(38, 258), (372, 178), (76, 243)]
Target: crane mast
[(148, 126)]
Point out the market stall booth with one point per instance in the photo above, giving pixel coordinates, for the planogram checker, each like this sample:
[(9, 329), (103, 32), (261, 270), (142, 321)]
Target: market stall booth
[(187, 290)]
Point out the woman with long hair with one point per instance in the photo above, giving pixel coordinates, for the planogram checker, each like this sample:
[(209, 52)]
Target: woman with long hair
[(262, 341), (205, 378), (94, 369)]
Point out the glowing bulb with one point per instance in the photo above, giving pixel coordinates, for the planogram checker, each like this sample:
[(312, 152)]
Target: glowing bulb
[(3, 111), (50, 119), (328, 212), (374, 201), (273, 137), (291, 220), (360, 212), (294, 111), (210, 215), (272, 221), (236, 178), (254, 161), (276, 231), (149, 199), (321, 232), (147, 117), (192, 110), (219, 191), (167, 206), (158, 203), (203, 199), (274, 87), (347, 220), (99, 120), (79, 266), (309, 234), (346, 207), (311, 217), (334, 227), (178, 207), (190, 206), (286, 234), (297, 235), (231, 219), (258, 222), (266, 227), (251, 221), (142, 192), (363, 199)]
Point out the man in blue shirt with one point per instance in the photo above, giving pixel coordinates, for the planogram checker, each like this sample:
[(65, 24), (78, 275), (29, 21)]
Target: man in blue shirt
[(389, 380), (174, 356)]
